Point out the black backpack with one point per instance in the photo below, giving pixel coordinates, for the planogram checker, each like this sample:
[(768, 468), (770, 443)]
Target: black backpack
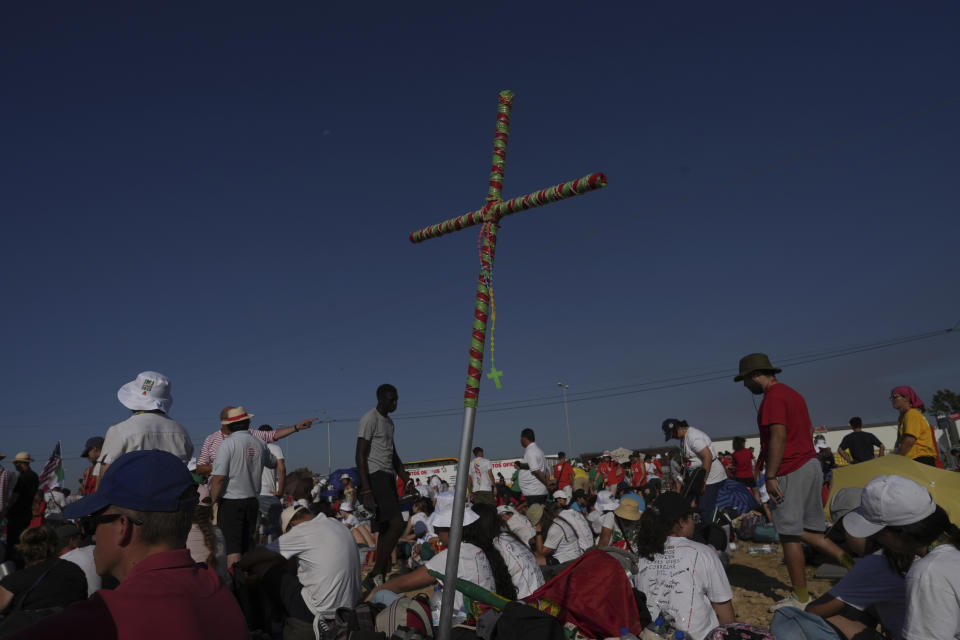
[(520, 621)]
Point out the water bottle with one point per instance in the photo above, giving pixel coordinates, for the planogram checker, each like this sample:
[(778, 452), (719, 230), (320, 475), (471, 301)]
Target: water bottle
[(626, 635), (657, 626), (436, 602)]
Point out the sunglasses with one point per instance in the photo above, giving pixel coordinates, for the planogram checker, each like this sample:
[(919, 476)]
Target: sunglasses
[(90, 523)]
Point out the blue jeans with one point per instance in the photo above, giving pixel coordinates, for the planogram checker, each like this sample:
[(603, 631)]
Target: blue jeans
[(707, 501)]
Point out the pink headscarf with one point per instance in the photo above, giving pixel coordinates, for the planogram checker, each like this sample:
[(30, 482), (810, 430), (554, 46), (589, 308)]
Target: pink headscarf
[(910, 395)]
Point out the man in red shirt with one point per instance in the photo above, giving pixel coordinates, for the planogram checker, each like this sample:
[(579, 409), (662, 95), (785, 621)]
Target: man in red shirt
[(638, 472), (794, 478), (563, 471), (141, 514)]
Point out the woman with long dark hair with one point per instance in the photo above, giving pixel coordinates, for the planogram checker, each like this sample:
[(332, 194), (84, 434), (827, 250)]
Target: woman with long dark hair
[(521, 563), (901, 516), (479, 562), (678, 576)]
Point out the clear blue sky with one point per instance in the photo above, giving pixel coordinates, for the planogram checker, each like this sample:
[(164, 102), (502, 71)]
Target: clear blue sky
[(223, 192)]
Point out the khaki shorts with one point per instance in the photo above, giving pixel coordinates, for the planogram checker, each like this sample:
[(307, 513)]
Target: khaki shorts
[(802, 506), (581, 484)]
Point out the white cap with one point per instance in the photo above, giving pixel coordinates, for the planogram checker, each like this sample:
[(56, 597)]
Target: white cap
[(606, 501), (149, 392), (560, 494), (892, 501), (505, 508)]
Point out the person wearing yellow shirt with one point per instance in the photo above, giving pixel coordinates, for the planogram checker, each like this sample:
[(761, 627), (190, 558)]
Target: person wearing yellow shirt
[(914, 435)]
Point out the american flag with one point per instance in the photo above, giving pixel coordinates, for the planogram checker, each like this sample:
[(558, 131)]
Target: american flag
[(52, 474)]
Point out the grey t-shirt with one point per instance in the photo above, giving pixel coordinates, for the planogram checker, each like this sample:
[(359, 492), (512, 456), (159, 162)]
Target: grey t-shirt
[(378, 430), (241, 458)]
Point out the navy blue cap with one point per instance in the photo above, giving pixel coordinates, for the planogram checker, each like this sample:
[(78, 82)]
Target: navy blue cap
[(143, 481), (669, 427)]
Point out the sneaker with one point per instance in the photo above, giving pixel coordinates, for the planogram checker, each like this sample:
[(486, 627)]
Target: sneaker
[(790, 601)]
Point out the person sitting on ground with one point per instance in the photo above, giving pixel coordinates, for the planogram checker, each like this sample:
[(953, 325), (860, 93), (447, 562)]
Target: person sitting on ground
[(479, 562), (141, 514), (72, 549), (205, 541), (605, 504), (873, 591), (361, 533), (418, 528), (47, 582), (677, 575), (521, 563), (618, 527), (579, 523), (902, 516), (327, 566), (517, 523), (557, 542)]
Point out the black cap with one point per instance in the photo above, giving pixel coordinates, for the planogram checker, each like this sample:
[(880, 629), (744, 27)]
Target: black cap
[(579, 493), (672, 506), (669, 427)]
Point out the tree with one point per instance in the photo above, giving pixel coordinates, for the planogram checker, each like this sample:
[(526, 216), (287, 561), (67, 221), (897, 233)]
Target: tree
[(946, 401), (303, 470)]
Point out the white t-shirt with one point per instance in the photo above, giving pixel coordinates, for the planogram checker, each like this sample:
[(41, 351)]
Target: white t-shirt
[(56, 501), (651, 469), (350, 521), (562, 538), (684, 581), (241, 458), (83, 558), (933, 596), (530, 485), (520, 526), (695, 441), (425, 519), (524, 571), (143, 432), (581, 526), (378, 429), (423, 490), (473, 566), (480, 470), (436, 486), (328, 565), (269, 481), (872, 582)]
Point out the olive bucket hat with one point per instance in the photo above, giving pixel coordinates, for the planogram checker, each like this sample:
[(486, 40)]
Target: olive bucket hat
[(755, 362)]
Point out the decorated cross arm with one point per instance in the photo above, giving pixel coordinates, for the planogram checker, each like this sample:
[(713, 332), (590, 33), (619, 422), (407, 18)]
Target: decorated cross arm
[(504, 208)]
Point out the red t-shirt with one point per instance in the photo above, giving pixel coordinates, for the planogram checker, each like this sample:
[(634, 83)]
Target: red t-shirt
[(743, 463), (783, 405), (563, 472), (165, 596), (638, 471), (604, 470), (617, 474)]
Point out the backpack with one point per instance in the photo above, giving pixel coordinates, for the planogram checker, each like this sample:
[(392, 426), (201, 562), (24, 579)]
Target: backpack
[(520, 621), (407, 617)]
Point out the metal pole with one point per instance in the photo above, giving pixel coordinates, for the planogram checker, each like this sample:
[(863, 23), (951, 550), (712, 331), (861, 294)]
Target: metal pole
[(456, 526), (329, 449), (566, 416)]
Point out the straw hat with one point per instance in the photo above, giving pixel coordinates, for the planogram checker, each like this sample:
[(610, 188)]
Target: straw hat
[(535, 513), (23, 456), (629, 509), (236, 414), (149, 392), (443, 516), (288, 514)]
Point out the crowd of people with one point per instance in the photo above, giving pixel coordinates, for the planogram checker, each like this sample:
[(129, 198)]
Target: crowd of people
[(157, 543)]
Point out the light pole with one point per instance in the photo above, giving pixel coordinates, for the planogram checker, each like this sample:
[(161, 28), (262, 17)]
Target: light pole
[(329, 449), (566, 416)]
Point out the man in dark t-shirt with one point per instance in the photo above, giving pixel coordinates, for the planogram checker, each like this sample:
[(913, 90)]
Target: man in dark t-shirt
[(858, 446), (50, 583)]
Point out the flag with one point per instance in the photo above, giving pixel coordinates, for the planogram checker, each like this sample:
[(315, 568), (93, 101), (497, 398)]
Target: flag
[(52, 474)]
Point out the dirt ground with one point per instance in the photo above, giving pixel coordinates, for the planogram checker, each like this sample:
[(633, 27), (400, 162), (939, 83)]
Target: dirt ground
[(759, 581)]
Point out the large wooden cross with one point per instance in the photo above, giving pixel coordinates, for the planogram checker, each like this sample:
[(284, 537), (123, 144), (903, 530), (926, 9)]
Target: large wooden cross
[(489, 216)]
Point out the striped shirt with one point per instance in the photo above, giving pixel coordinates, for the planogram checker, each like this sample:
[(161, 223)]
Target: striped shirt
[(6, 486), (208, 452)]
